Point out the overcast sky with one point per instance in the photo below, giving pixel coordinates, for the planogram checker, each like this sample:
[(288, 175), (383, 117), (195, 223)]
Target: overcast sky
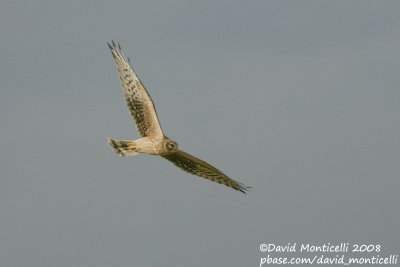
[(297, 99)]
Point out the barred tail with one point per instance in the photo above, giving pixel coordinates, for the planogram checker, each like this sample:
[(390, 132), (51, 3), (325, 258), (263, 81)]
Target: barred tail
[(123, 148)]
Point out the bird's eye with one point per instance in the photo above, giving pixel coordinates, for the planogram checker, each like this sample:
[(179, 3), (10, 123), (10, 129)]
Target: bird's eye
[(172, 146)]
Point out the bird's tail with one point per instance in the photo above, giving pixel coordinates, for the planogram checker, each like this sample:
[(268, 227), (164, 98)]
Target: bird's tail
[(123, 148)]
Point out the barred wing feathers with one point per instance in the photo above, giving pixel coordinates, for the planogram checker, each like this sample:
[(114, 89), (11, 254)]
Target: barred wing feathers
[(201, 168), (138, 100)]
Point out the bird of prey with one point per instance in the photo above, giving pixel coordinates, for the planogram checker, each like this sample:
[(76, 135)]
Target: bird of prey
[(153, 140)]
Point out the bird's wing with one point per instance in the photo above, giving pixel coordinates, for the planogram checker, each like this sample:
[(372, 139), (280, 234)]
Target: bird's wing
[(200, 168), (138, 100)]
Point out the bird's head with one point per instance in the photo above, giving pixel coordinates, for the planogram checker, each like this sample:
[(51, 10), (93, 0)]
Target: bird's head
[(171, 145)]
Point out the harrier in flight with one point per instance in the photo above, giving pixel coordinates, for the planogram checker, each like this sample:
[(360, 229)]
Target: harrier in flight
[(153, 140)]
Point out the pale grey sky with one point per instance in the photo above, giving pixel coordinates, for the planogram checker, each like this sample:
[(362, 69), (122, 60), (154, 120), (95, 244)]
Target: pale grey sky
[(298, 99)]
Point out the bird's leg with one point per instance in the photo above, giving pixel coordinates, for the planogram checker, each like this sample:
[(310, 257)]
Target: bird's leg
[(132, 146)]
